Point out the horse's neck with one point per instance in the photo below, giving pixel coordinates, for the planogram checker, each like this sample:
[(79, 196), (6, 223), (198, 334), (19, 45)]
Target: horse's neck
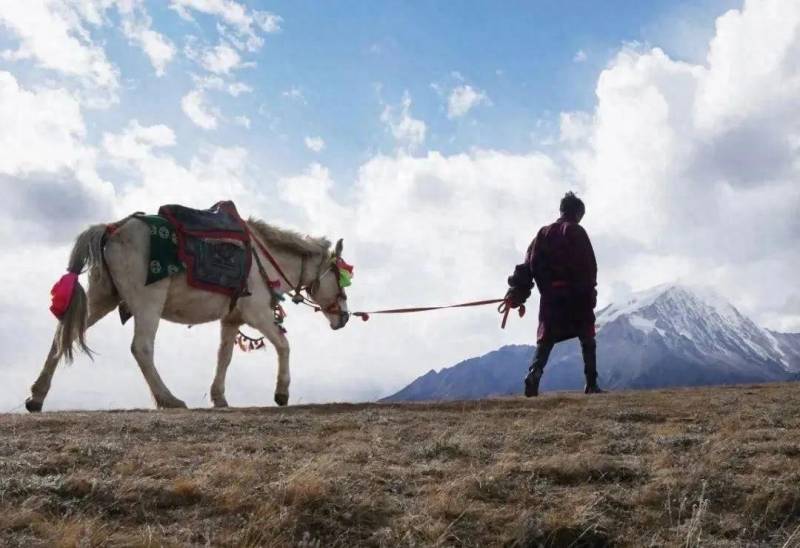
[(293, 265)]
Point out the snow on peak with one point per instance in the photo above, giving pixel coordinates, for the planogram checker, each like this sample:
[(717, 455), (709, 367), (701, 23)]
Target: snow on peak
[(697, 315), (682, 295)]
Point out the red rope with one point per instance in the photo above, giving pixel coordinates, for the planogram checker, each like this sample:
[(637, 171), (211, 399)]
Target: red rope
[(247, 343), (365, 315), (504, 309)]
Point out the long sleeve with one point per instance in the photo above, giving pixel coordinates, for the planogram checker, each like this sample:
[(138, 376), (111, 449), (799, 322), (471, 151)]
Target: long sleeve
[(521, 281)]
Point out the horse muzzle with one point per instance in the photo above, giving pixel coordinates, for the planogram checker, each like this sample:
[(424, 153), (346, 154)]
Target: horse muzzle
[(344, 317)]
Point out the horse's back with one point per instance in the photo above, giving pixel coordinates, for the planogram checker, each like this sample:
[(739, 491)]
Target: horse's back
[(127, 254)]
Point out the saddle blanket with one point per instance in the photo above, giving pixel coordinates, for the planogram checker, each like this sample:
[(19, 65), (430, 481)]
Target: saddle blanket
[(211, 245)]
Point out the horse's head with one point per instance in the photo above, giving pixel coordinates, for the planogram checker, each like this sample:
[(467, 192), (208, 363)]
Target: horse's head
[(328, 289)]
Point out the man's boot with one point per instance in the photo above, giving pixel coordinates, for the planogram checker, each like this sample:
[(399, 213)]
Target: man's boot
[(532, 382), (589, 351), (592, 388), (543, 349)]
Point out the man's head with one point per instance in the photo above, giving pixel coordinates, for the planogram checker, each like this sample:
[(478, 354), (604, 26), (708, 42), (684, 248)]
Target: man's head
[(572, 207)]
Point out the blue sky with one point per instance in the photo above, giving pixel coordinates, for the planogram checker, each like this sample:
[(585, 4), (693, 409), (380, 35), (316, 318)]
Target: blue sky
[(336, 53), (435, 137), (348, 59)]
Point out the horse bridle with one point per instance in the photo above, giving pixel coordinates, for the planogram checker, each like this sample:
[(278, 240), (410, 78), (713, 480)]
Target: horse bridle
[(310, 289), (298, 297)]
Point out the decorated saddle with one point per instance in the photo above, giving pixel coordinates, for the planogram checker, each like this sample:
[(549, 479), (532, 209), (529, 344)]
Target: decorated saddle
[(211, 245)]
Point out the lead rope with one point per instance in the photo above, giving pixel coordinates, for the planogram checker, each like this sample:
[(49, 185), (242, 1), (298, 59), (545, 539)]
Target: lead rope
[(247, 343)]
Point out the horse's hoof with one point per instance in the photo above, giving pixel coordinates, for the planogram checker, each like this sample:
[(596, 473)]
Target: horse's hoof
[(282, 399), (33, 406), (174, 403), (220, 403)]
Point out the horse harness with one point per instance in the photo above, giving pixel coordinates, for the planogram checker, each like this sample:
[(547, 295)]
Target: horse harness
[(297, 289)]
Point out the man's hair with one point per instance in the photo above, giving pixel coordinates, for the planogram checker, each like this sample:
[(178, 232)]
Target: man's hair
[(572, 206)]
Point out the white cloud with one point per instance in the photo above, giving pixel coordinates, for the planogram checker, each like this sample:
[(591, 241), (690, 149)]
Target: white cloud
[(194, 105), (315, 144), (234, 89), (136, 142), (48, 176), (575, 126), (248, 25), (54, 36), (682, 162), (464, 98), (408, 131), (40, 130), (243, 121), (580, 56), (221, 59), (137, 27)]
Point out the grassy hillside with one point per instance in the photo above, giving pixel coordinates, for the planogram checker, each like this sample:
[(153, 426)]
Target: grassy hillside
[(712, 467)]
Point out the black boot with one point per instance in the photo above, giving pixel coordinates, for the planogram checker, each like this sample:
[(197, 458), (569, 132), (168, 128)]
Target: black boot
[(543, 349), (589, 351), (532, 382), (592, 388)]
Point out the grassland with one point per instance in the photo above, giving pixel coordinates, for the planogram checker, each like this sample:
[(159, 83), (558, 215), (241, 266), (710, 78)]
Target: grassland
[(707, 467)]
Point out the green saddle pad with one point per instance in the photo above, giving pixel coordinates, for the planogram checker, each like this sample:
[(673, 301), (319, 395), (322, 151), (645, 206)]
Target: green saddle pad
[(164, 259)]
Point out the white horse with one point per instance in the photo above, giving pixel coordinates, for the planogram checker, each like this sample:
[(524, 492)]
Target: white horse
[(118, 266)]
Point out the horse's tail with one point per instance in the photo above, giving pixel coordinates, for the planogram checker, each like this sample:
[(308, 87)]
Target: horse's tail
[(87, 252)]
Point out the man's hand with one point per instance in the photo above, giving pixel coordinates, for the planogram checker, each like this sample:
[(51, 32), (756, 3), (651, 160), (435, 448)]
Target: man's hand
[(516, 297)]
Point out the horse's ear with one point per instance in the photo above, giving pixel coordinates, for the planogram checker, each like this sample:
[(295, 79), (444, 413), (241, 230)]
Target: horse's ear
[(339, 245)]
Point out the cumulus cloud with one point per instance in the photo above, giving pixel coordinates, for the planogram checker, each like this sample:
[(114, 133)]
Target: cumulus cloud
[(196, 108), (689, 175), (40, 130), (136, 142), (137, 27), (247, 26), (55, 36), (221, 59), (464, 98), (314, 144), (407, 131), (48, 177)]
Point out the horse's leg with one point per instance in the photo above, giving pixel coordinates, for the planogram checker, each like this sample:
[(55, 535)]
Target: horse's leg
[(146, 317), (224, 355), (266, 325), (100, 303)]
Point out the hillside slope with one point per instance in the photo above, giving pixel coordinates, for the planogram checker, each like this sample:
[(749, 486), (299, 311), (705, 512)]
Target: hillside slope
[(717, 466)]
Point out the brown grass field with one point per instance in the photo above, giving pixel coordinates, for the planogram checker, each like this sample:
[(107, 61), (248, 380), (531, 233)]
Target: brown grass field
[(705, 467)]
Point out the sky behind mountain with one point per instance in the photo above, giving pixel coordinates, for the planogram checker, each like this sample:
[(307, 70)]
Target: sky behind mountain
[(434, 137)]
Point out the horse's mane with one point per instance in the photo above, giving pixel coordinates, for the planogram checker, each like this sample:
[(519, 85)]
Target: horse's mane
[(289, 240)]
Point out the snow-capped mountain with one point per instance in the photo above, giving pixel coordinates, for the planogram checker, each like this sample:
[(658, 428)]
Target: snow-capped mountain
[(697, 320), (670, 335)]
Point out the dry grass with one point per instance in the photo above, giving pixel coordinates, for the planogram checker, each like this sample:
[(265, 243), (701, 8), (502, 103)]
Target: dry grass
[(711, 467)]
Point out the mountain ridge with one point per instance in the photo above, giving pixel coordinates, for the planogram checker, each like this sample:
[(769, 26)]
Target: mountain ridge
[(669, 335)]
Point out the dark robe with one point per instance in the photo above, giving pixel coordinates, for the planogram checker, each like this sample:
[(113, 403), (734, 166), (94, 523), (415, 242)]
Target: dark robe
[(562, 263)]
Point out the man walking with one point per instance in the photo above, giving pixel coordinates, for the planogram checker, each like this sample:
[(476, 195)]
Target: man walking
[(561, 262)]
